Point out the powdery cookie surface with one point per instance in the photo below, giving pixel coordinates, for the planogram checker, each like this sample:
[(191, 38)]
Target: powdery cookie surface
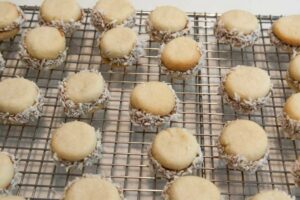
[(117, 42), (248, 83), (65, 10), (7, 170), (168, 18), (239, 20), (116, 11), (84, 87), (74, 141), (244, 138), (92, 188), (180, 54), (287, 29), (294, 68), (45, 42), (153, 97), (175, 148), (292, 107), (8, 14), (271, 194), (192, 187), (17, 94)]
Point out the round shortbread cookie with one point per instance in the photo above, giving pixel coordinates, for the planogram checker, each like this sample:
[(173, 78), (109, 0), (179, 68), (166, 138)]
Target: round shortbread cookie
[(153, 97), (271, 195), (117, 42), (11, 198), (168, 18), (115, 11), (175, 148), (294, 68), (92, 188), (65, 10), (244, 138), (84, 87), (292, 107), (287, 29), (239, 20), (74, 141), (7, 170), (45, 42), (17, 94), (192, 187), (8, 14), (180, 54), (248, 83)]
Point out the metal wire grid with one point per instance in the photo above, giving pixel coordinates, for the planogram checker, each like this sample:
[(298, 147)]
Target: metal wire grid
[(125, 147)]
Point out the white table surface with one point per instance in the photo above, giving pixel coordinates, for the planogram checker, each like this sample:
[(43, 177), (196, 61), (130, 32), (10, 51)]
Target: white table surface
[(274, 7)]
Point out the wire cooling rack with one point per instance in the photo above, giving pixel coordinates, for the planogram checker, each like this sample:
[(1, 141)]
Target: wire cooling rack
[(125, 147)]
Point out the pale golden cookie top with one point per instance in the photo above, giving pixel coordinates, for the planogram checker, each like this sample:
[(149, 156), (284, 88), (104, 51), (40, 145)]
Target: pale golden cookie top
[(239, 20), (65, 10), (292, 106), (175, 148), (8, 13), (294, 68), (193, 187), (74, 141), (117, 42), (84, 87), (11, 198), (181, 54), (17, 94), (45, 42), (271, 195), (7, 170), (287, 29), (115, 10), (168, 18), (92, 188), (153, 97), (248, 83), (245, 138)]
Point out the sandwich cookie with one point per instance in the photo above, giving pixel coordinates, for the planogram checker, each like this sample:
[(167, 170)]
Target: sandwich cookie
[(43, 47), (153, 104), (9, 175), (75, 145), (243, 145), (237, 27), (11, 20), (83, 93), (93, 187), (182, 57), (272, 194), (291, 117), (285, 33), (108, 14), (191, 187), (246, 89), (166, 23), (65, 15), (293, 73), (120, 47), (20, 101), (174, 152)]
